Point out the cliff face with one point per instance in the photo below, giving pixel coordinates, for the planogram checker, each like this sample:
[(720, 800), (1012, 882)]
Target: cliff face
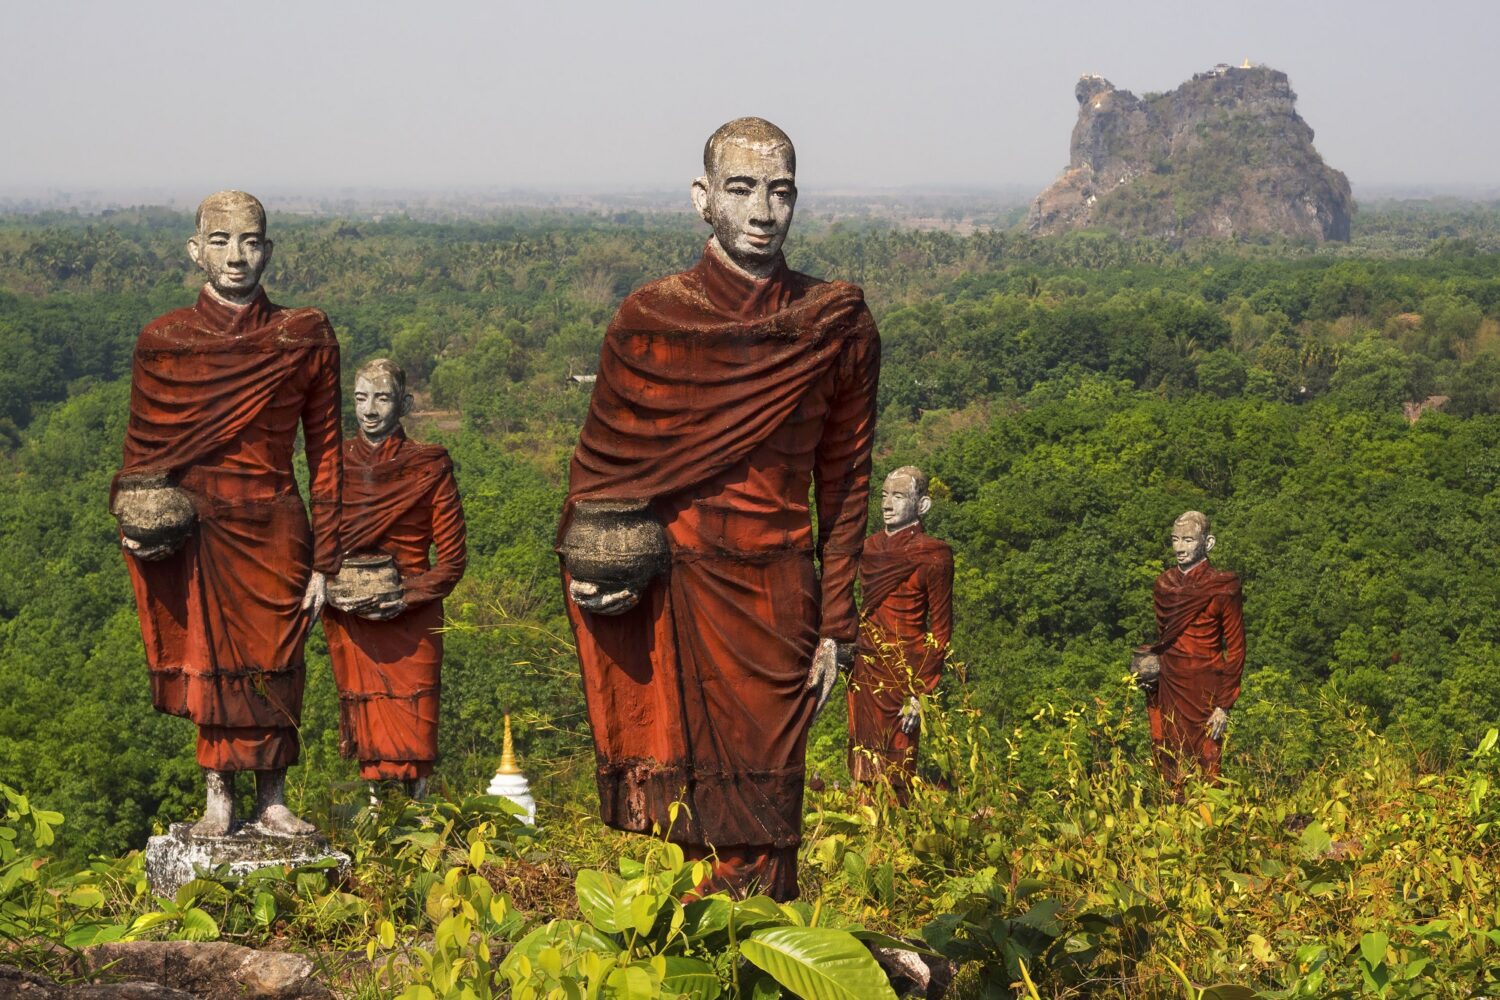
[(1224, 155)]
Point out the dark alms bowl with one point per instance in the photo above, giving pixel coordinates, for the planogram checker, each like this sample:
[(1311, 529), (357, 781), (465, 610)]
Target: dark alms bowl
[(614, 543), (362, 577), (152, 510)]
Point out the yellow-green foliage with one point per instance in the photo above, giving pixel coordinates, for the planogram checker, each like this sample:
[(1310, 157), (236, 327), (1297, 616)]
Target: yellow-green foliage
[(1366, 877)]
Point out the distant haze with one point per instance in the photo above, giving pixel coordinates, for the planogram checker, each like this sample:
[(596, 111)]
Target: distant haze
[(168, 96)]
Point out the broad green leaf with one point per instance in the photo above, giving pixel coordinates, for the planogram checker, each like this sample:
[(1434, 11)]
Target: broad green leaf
[(566, 935), (690, 976), (197, 925), (1315, 841), (818, 963), (643, 911), (757, 911), (598, 894), (83, 935), (1227, 991), (634, 982), (1373, 947), (703, 918), (86, 896)]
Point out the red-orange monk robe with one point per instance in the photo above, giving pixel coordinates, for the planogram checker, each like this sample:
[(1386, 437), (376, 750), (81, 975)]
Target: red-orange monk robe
[(217, 392), (722, 399), (1201, 644), (400, 498), (906, 579)]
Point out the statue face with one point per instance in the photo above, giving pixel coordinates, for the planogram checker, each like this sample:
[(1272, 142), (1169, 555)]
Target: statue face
[(377, 407), (231, 248), (1190, 544), (900, 503), (748, 199)]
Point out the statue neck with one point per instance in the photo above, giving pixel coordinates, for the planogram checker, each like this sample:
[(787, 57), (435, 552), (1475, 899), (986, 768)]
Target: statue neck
[(234, 302), (758, 272), (905, 527), (376, 442)]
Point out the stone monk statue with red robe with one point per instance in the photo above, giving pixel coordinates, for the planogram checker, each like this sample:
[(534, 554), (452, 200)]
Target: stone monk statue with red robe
[(400, 501), (227, 591), (906, 623), (725, 396), (1199, 655)]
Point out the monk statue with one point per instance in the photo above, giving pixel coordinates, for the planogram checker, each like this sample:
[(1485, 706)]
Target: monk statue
[(708, 637), (1192, 672), (228, 574), (906, 579), (385, 609)]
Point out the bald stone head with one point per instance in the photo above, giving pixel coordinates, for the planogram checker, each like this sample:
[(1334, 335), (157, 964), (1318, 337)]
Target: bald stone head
[(230, 244), (1191, 539), (380, 399), (748, 191), (904, 498)]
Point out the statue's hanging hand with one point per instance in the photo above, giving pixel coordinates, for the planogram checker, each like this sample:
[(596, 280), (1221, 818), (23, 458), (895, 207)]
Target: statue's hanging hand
[(591, 597), (315, 595), (830, 656), (1217, 723), (910, 718)]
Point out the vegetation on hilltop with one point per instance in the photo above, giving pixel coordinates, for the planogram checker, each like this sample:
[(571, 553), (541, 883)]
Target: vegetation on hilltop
[(1069, 397)]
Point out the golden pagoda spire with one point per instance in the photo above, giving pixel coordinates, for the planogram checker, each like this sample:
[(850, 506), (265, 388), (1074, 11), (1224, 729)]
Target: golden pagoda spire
[(508, 752)]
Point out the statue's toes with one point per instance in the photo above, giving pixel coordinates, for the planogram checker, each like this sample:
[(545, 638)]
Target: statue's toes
[(281, 820)]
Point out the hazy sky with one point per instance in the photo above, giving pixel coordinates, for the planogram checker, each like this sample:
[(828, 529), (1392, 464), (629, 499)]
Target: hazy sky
[(312, 95)]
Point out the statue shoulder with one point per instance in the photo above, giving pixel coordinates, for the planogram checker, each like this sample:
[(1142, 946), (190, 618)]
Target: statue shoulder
[(163, 326), (935, 548), (1227, 581), (433, 456), (305, 327), (653, 296)]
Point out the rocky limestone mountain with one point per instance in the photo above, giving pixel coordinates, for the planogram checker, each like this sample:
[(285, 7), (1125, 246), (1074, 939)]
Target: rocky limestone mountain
[(1224, 155)]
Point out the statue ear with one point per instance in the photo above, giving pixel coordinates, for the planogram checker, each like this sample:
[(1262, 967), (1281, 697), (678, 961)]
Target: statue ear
[(923, 506), (195, 251), (1208, 543), (700, 198), (269, 245), (406, 404)]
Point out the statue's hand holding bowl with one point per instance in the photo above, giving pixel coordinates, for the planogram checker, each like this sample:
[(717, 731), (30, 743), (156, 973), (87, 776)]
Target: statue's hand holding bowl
[(148, 553), (383, 611), (601, 600), (355, 605), (1146, 668)]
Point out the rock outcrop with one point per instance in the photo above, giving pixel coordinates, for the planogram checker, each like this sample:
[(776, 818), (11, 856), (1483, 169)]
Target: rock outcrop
[(1224, 155)]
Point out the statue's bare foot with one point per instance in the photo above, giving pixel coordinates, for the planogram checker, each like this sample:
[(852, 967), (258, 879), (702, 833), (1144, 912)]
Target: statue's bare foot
[(213, 825), (271, 813), (280, 820), (218, 809)]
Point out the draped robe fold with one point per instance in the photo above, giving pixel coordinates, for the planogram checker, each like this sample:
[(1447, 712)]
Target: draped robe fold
[(721, 400), (217, 393), (906, 581), (400, 498), (1201, 645)]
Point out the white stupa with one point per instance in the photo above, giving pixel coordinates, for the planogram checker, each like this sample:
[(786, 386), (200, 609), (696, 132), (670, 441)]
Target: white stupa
[(509, 782)]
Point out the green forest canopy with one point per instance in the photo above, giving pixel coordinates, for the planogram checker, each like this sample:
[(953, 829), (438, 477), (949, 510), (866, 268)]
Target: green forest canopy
[(1069, 397)]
